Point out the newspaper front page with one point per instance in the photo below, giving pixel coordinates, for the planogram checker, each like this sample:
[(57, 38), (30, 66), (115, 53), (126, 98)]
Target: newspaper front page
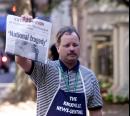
[(28, 39)]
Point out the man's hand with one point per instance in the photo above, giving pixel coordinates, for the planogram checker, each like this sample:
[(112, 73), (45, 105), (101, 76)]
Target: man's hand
[(96, 113), (24, 63), (27, 18)]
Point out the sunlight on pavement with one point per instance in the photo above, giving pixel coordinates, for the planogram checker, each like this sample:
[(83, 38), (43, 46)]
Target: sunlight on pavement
[(110, 113), (20, 109)]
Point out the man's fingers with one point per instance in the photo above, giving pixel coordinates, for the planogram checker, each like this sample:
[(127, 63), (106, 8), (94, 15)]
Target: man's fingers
[(27, 18)]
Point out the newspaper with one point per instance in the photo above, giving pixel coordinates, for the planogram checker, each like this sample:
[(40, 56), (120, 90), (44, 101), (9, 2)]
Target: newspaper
[(28, 39)]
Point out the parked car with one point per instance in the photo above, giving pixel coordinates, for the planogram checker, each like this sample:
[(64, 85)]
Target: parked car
[(4, 62)]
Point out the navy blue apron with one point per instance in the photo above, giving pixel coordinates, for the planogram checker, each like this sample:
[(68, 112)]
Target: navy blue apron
[(68, 103)]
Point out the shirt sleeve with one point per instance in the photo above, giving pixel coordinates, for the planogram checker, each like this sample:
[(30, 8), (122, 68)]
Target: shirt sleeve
[(38, 72), (95, 102)]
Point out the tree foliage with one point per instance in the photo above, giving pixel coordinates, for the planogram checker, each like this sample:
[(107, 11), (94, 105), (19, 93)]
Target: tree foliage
[(53, 3), (47, 8)]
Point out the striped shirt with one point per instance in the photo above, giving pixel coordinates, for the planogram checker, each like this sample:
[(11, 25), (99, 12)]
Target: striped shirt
[(46, 79)]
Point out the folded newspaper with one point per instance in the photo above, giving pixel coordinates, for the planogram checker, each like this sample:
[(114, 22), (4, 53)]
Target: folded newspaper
[(28, 39)]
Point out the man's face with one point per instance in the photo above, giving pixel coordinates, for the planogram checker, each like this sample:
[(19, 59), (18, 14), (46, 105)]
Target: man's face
[(69, 47)]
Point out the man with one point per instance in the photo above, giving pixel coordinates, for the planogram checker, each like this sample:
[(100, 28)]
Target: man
[(64, 87)]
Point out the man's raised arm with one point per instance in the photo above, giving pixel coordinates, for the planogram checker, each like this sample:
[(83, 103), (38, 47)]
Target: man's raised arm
[(24, 63)]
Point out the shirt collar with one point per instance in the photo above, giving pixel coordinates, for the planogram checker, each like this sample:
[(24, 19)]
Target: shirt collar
[(75, 68)]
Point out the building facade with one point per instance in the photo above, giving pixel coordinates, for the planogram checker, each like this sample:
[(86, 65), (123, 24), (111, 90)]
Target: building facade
[(107, 32)]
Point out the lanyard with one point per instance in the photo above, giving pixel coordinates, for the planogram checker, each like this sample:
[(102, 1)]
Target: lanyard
[(66, 80)]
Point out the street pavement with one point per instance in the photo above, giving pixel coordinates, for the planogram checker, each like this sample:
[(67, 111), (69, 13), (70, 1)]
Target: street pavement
[(7, 78), (5, 90), (116, 109), (29, 109)]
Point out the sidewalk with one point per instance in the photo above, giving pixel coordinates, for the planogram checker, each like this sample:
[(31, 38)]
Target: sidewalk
[(29, 109), (116, 110), (20, 109)]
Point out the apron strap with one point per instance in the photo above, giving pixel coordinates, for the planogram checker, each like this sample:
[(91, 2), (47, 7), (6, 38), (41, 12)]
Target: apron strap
[(85, 94)]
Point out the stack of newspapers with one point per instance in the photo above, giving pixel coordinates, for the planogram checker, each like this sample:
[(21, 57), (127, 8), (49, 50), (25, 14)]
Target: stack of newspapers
[(28, 39)]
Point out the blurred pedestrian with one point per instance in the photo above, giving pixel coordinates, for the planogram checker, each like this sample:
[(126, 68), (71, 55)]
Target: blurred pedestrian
[(53, 53), (64, 87)]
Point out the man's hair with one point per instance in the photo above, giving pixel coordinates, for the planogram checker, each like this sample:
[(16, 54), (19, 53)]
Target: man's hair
[(68, 29)]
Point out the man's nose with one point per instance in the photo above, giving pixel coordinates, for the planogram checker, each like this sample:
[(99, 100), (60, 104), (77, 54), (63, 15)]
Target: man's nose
[(71, 48)]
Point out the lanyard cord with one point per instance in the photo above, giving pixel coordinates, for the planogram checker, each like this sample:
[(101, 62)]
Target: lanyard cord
[(66, 80)]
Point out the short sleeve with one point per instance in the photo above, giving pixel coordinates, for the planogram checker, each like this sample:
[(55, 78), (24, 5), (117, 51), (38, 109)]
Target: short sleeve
[(38, 72), (95, 101)]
